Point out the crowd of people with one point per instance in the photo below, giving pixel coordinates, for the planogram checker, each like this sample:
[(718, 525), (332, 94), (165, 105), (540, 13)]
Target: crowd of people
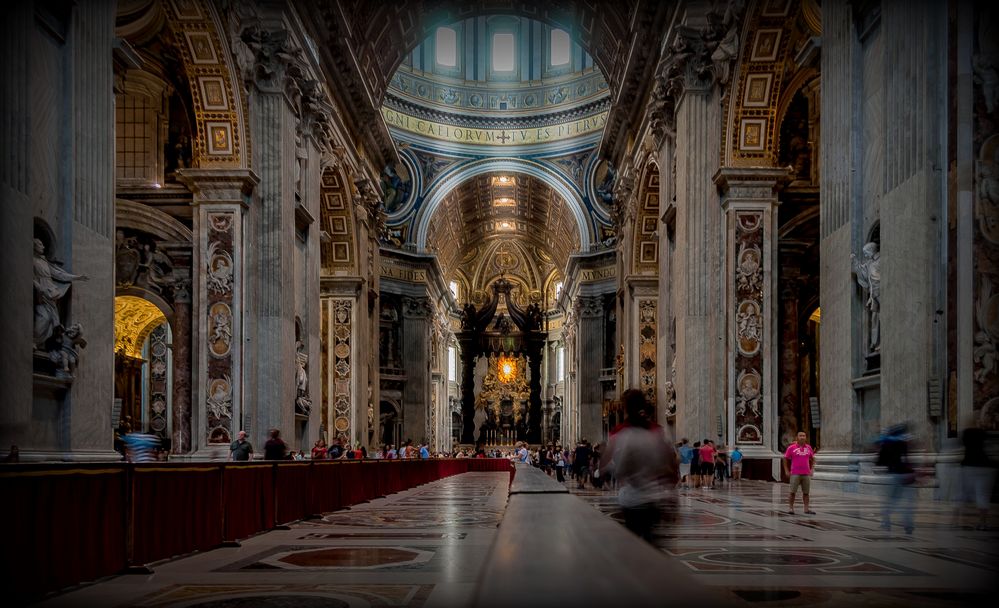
[(639, 462)]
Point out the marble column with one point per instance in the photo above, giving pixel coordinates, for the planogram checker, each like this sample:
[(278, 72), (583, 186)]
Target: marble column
[(467, 351), (416, 363), (790, 397), (697, 298), (535, 348), (913, 292), (589, 354), (839, 193), (17, 191), (665, 324), (182, 371), (271, 350), (221, 198), (749, 201)]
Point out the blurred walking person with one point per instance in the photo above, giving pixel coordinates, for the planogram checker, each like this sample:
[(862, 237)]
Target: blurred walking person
[(894, 455), (141, 447), (978, 474), (644, 463), (275, 447)]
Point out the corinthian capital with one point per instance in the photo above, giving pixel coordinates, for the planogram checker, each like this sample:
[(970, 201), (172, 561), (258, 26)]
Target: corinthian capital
[(589, 307), (316, 114), (276, 61), (662, 111)]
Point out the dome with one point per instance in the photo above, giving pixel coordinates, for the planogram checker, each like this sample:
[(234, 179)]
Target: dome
[(490, 73)]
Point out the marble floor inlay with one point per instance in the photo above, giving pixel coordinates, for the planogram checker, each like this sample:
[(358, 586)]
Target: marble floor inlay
[(426, 547), (739, 537), (422, 547)]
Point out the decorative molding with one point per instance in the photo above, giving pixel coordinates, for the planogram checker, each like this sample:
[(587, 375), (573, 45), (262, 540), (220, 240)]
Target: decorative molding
[(342, 424), (647, 347)]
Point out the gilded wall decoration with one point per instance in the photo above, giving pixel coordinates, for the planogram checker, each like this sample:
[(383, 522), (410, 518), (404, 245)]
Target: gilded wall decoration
[(219, 293), (749, 327), (645, 252), (342, 376), (134, 319), (752, 131), (337, 221), (647, 348), (219, 105)]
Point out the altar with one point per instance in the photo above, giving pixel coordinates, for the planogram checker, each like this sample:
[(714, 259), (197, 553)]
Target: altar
[(501, 353), (502, 401)]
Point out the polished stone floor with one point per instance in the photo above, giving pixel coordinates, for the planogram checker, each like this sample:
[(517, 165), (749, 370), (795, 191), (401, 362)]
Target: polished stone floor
[(421, 547), (426, 547), (739, 537)]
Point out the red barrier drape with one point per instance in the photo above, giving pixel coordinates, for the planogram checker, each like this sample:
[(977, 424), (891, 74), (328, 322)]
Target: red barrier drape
[(175, 510), (248, 495), (291, 491), (62, 525), (325, 485), (67, 524)]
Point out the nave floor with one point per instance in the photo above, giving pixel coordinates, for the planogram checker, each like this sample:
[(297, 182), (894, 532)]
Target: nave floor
[(423, 547), (426, 546), (738, 537)]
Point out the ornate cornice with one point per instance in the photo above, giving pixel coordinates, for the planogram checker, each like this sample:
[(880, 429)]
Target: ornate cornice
[(496, 122)]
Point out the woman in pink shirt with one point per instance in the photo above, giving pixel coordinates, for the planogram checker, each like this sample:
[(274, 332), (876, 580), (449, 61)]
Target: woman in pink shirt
[(800, 459)]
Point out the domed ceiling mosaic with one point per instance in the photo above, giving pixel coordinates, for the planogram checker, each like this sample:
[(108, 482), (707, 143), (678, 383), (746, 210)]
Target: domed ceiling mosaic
[(520, 94)]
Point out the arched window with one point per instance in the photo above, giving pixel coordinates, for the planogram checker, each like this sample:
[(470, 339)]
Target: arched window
[(560, 364), (560, 47), (446, 45), (453, 285), (503, 52), (452, 364)]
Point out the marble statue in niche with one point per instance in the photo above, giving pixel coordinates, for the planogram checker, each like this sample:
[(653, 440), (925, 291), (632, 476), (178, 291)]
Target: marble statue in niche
[(303, 405), (65, 354), (868, 271), (51, 284)]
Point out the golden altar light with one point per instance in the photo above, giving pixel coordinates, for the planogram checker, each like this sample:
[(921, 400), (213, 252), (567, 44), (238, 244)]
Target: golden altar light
[(507, 369)]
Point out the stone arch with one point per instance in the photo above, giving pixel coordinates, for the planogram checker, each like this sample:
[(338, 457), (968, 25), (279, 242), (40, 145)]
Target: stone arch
[(557, 182), (645, 237), (130, 214), (338, 248), (527, 272), (222, 136), (772, 33)]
